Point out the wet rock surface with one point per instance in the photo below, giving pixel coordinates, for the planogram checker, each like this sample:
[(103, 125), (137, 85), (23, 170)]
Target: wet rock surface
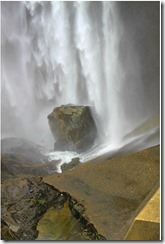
[(15, 165), (111, 190), (94, 200), (73, 127), (21, 147), (65, 225), (22, 157), (33, 210), (24, 201), (73, 163)]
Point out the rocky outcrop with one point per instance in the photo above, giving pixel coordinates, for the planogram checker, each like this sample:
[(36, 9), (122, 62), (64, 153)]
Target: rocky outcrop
[(21, 157), (31, 152), (73, 163), (24, 201), (33, 210), (73, 127), (111, 190), (13, 165)]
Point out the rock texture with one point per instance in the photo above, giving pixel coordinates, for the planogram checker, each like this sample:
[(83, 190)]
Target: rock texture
[(34, 210), (111, 190), (13, 165), (73, 127), (24, 200), (73, 163)]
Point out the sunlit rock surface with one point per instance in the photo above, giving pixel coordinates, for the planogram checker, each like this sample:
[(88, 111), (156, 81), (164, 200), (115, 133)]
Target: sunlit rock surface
[(111, 190), (73, 127), (146, 225)]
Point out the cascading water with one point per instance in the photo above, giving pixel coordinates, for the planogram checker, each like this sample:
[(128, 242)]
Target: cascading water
[(104, 54)]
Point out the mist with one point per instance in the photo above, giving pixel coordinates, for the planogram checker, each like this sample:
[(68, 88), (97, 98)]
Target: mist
[(102, 54)]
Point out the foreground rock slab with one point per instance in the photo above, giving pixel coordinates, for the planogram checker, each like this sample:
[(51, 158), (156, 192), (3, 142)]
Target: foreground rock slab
[(32, 209), (73, 127), (112, 190)]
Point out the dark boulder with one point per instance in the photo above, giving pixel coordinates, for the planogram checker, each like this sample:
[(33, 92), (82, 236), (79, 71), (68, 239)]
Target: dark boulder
[(73, 127)]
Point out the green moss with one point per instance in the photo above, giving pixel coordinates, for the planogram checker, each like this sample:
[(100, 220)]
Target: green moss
[(40, 201)]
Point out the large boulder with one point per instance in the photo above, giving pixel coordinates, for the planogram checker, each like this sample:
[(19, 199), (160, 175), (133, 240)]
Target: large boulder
[(73, 127)]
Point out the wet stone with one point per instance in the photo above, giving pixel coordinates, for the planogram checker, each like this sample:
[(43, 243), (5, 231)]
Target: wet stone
[(73, 127)]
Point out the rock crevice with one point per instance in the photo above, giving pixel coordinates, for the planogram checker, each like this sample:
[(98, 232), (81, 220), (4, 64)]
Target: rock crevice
[(26, 200)]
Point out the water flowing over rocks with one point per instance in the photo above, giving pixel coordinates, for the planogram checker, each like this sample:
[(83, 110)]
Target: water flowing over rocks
[(73, 127)]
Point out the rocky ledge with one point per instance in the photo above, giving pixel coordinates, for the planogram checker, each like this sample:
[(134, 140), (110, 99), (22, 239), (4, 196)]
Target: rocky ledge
[(113, 190), (103, 196), (32, 208)]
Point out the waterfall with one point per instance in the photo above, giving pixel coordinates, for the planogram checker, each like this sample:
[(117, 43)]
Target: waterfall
[(102, 54)]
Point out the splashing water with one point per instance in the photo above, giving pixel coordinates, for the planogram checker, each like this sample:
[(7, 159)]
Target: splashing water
[(65, 157), (89, 53)]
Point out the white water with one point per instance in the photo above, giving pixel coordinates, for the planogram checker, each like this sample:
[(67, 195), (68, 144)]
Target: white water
[(55, 53), (64, 157)]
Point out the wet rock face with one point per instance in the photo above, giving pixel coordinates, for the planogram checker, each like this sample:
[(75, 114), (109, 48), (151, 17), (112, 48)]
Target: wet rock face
[(73, 127), (14, 165), (22, 157), (24, 201), (34, 210), (31, 152)]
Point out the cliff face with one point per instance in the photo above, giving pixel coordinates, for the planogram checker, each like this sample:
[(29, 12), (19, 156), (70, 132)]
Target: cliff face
[(73, 127)]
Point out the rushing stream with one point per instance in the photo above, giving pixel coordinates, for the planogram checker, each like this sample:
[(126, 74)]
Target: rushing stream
[(103, 54)]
